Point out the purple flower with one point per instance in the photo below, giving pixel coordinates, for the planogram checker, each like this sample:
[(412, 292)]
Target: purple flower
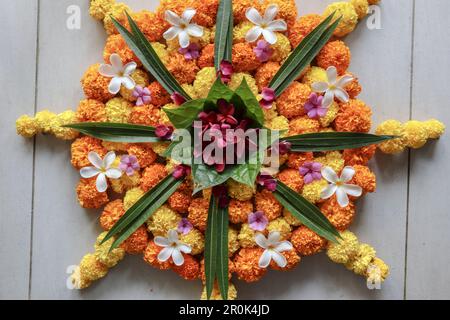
[(311, 171), (181, 171), (268, 98), (191, 52), (143, 95), (185, 226), (129, 164), (226, 71), (314, 106), (177, 98), (281, 148), (263, 51), (267, 181), (258, 221), (164, 132)]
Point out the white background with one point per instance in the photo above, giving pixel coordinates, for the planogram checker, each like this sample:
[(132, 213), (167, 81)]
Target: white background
[(403, 68)]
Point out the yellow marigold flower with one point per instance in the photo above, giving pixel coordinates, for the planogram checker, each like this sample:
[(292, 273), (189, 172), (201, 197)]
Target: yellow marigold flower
[(78, 280), (232, 293), (43, 119), (246, 236), (332, 113), (204, 80), (241, 30), (195, 240), (313, 75), (118, 110), (282, 226), (27, 126), (279, 123), (117, 10), (270, 114), (131, 197), (141, 78), (361, 7), (233, 241), (282, 48), (312, 191), (160, 147), (125, 182), (237, 78), (67, 117), (349, 17), (345, 250), (91, 269), (163, 220), (104, 255), (293, 221), (189, 88), (332, 159), (435, 129), (99, 8), (364, 256), (415, 134), (377, 270), (161, 51), (394, 128), (240, 191)]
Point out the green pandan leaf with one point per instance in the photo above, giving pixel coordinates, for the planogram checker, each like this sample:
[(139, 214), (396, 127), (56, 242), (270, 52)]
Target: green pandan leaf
[(224, 33), (252, 108), (183, 116)]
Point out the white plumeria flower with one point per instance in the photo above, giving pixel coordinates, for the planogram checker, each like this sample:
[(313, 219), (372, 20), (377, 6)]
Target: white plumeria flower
[(102, 169), (172, 248), (273, 248), (182, 27), (265, 26), (340, 185), (120, 74), (333, 88)]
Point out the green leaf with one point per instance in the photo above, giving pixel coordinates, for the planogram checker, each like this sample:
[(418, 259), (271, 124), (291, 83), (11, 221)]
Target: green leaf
[(206, 177), (147, 55), (305, 212), (219, 91), (116, 132), (253, 109), (142, 210), (183, 116), (216, 248), (224, 33), (303, 55), (333, 141)]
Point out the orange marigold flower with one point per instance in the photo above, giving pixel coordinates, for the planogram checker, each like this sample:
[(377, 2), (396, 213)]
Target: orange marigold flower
[(244, 58), (148, 115), (239, 211), (95, 86), (190, 269), (353, 116), (265, 74), (335, 53), (246, 264), (306, 242), (293, 259), (296, 160), (144, 154), (177, 6), (303, 125), (340, 218), (151, 24), (151, 257), (198, 213), (80, 149), (353, 88), (265, 201), (116, 44), (152, 175), (206, 58), (111, 214), (364, 178), (180, 201), (88, 196), (240, 7), (302, 27), (359, 156), (206, 12), (160, 97), (292, 178), (183, 70), (90, 110), (137, 242), (292, 101), (287, 10)]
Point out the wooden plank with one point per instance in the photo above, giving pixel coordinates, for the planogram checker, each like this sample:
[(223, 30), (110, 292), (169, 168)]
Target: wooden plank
[(17, 65), (429, 223)]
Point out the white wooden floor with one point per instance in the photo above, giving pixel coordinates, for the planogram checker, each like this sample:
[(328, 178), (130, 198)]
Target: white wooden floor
[(403, 68)]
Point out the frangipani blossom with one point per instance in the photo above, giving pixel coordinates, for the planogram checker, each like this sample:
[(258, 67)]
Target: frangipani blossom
[(182, 27), (273, 248), (339, 185), (265, 26), (333, 88), (102, 169), (173, 248), (120, 74)]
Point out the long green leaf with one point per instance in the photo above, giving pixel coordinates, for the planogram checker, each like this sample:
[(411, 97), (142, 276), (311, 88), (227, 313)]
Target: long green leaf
[(305, 212), (147, 55), (116, 132), (224, 33), (222, 252), (333, 141), (211, 246)]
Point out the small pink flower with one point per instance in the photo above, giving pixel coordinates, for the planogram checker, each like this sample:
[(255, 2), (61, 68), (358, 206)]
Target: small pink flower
[(181, 171), (315, 107), (258, 221), (164, 132), (177, 98), (281, 148), (129, 164), (263, 51), (143, 95), (185, 226), (267, 181), (226, 71), (191, 52), (311, 171), (268, 98), (226, 112)]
